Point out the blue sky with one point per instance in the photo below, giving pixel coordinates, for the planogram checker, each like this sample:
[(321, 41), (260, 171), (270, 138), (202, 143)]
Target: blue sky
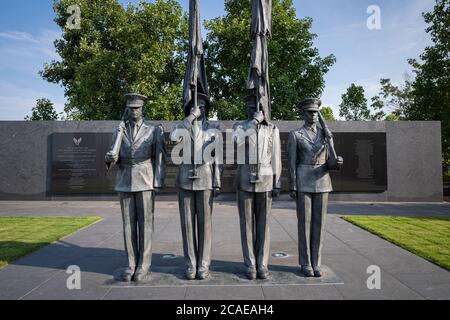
[(27, 32)]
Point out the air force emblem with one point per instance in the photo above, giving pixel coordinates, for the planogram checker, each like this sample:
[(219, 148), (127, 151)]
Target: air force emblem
[(77, 142)]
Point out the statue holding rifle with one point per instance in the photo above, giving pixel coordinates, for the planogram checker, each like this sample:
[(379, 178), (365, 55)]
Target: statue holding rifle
[(138, 148), (311, 156)]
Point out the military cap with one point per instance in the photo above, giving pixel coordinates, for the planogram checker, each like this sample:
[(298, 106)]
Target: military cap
[(203, 97), (310, 104), (200, 97), (136, 100)]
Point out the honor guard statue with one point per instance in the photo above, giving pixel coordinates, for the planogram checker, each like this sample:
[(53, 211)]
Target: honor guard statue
[(311, 156), (198, 182), (258, 181), (138, 148)]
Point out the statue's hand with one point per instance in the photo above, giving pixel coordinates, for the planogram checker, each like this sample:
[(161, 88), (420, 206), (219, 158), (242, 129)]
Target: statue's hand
[(293, 195), (122, 126), (216, 192), (111, 157), (258, 117), (195, 111), (189, 120), (335, 164)]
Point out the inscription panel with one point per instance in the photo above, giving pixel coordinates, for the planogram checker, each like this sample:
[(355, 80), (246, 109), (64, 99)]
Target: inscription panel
[(78, 164)]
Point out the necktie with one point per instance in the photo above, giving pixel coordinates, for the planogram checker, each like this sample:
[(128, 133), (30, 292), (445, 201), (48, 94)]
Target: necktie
[(133, 131), (196, 128), (313, 134)]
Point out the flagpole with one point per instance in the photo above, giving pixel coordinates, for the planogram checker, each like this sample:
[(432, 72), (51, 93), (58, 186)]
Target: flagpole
[(196, 120), (258, 109)]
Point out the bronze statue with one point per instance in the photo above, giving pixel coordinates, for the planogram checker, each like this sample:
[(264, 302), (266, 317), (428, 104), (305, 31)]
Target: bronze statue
[(198, 184), (258, 181), (258, 178), (198, 178), (138, 148), (311, 156)]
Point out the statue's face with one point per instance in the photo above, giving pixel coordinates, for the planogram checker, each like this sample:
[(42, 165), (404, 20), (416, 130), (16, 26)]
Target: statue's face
[(135, 114), (311, 116), (251, 110), (202, 107)]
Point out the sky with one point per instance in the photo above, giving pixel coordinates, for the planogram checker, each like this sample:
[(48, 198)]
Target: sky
[(364, 56)]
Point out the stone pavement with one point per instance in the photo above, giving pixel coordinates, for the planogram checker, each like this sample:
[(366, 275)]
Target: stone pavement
[(348, 252)]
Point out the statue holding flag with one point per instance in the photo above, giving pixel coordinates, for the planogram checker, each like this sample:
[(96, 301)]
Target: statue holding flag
[(198, 178), (258, 179)]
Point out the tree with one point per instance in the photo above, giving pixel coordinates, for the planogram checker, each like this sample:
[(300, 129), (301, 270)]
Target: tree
[(397, 99), (392, 117), (296, 68), (425, 96), (377, 107), (43, 111), (118, 49), (354, 106), (431, 87), (327, 114)]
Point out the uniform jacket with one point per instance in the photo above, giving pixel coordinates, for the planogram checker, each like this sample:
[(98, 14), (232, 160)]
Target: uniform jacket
[(142, 160), (308, 162), (269, 157), (210, 170)]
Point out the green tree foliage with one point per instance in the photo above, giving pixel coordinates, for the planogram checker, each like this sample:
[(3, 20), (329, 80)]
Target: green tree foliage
[(43, 111), (392, 117), (431, 87), (354, 106), (327, 114), (426, 95), (376, 106), (397, 99), (118, 49), (296, 68)]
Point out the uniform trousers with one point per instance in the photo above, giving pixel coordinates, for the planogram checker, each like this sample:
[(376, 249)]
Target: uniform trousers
[(138, 224)]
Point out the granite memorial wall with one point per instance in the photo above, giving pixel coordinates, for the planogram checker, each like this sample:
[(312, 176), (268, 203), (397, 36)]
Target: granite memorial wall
[(384, 161), (78, 166)]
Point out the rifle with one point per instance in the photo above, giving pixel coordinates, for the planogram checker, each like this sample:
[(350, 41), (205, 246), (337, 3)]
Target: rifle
[(334, 159), (118, 142)]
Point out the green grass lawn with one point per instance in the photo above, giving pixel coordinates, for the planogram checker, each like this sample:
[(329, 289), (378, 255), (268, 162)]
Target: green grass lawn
[(425, 237), (20, 236)]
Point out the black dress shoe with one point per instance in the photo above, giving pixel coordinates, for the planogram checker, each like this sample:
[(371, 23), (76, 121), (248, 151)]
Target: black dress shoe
[(251, 273), (203, 274), (318, 272), (308, 271), (140, 275), (190, 274), (263, 273)]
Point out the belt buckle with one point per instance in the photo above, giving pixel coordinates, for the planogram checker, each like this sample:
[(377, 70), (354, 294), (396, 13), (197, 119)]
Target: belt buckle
[(254, 175)]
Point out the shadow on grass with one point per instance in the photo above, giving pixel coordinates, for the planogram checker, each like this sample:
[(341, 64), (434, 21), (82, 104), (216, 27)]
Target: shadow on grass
[(13, 250)]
